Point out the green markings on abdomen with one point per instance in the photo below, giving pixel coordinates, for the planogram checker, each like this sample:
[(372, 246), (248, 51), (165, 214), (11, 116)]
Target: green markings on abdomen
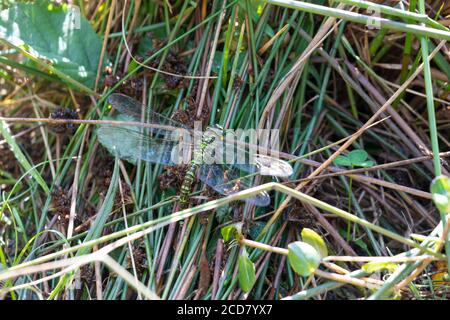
[(186, 187)]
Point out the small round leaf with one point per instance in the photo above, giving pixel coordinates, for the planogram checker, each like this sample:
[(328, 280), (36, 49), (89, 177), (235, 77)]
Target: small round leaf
[(342, 161), (440, 190), (357, 156), (303, 258), (314, 239), (246, 272), (232, 231)]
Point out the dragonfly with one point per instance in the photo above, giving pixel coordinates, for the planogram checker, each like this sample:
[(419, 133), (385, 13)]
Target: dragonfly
[(168, 142)]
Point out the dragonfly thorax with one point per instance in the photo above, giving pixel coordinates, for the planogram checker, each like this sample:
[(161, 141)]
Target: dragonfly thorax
[(206, 145)]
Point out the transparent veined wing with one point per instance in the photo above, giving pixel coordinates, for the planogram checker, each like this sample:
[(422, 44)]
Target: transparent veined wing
[(225, 149), (271, 166), (164, 126), (226, 180), (132, 144), (166, 142)]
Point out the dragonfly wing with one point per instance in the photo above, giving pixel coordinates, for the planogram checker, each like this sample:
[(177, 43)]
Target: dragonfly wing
[(228, 155), (262, 164), (132, 144), (227, 151), (227, 182), (133, 108), (271, 166)]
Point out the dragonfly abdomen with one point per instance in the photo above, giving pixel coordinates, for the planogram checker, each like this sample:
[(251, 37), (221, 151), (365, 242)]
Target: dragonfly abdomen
[(188, 181), (186, 187)]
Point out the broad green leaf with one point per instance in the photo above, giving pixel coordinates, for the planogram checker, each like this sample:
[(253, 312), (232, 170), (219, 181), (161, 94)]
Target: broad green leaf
[(342, 161), (231, 231), (376, 266), (314, 239), (440, 190), (57, 34), (228, 233), (357, 156), (246, 272), (303, 258)]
